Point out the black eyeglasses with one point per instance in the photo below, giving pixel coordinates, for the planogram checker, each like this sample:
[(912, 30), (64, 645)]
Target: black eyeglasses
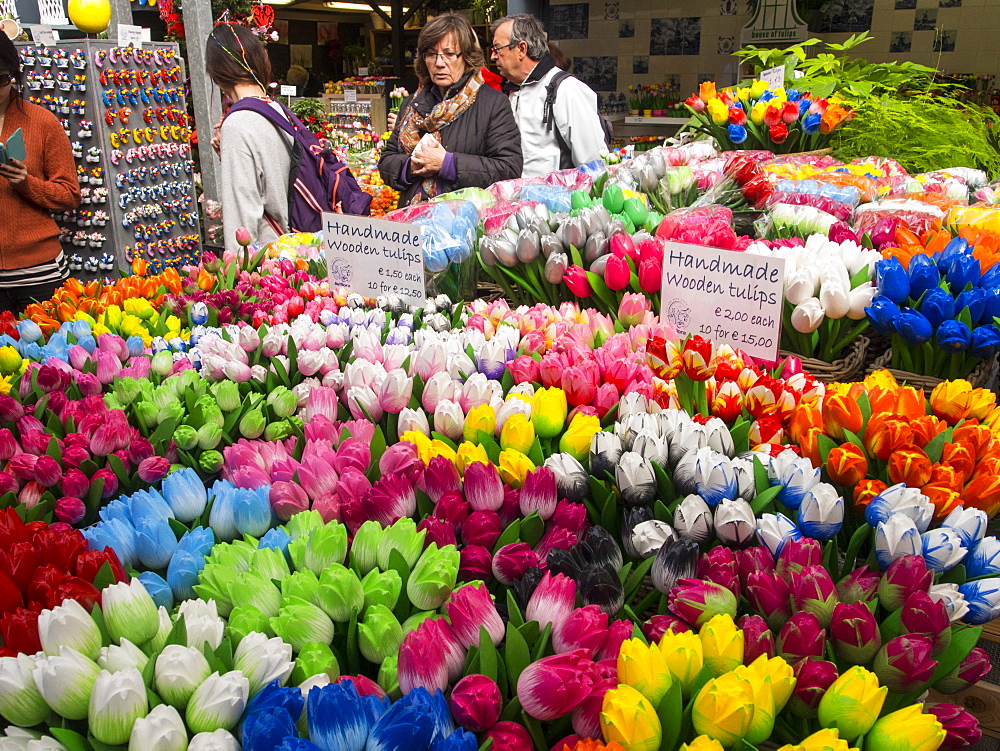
[(497, 47), (446, 56), (5, 78)]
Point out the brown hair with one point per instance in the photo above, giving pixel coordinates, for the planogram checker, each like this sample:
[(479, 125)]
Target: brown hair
[(436, 30), (234, 55), (560, 58), (10, 62)]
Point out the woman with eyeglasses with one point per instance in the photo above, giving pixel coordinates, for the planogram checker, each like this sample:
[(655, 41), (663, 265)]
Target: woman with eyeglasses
[(32, 264), (473, 140)]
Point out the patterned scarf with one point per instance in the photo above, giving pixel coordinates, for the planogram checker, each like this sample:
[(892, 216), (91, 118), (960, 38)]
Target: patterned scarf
[(442, 115)]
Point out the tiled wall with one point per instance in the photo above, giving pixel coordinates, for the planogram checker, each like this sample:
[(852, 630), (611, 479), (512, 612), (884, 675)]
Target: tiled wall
[(652, 41)]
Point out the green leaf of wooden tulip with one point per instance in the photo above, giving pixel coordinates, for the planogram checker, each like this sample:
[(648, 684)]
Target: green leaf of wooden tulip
[(512, 711), (105, 576), (487, 745), (535, 453), (664, 484), (530, 632), (162, 433), (353, 652), (513, 611), (826, 445), (487, 655), (963, 639), (516, 655), (532, 528), (763, 499), (635, 578), (671, 707), (472, 661), (935, 446), (741, 435), (543, 643), (510, 535)]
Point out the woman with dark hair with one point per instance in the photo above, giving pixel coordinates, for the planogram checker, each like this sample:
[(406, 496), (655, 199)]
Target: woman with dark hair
[(256, 157), (455, 131), (31, 260)]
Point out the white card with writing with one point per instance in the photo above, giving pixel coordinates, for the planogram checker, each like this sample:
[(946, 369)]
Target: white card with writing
[(350, 95), (374, 257), (774, 76), (129, 35), (731, 298)]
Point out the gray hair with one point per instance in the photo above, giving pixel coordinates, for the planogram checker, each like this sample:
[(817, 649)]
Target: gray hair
[(526, 28)]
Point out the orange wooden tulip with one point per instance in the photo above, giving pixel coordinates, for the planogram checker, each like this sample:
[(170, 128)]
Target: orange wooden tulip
[(978, 438), (846, 465), (959, 456), (947, 476), (841, 412), (925, 428), (910, 466), (944, 498), (865, 490)]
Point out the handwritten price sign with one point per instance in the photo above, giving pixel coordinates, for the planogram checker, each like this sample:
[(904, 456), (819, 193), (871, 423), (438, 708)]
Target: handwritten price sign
[(374, 257), (732, 298)]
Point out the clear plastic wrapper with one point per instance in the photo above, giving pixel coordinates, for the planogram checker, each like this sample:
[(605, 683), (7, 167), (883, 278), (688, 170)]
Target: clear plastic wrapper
[(988, 194), (448, 239), (980, 217), (593, 169), (744, 184), (295, 245), (787, 220), (846, 194), (555, 197), (482, 199), (888, 173), (495, 218), (840, 210), (917, 216), (571, 179), (974, 178), (867, 186), (951, 186), (701, 225)]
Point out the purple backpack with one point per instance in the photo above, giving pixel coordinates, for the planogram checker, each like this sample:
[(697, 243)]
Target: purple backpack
[(318, 181)]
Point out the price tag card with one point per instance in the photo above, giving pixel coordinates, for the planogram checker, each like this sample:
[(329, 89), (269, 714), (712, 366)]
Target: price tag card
[(774, 76), (374, 257), (362, 71), (731, 298), (287, 90), (350, 95), (129, 35), (44, 35)]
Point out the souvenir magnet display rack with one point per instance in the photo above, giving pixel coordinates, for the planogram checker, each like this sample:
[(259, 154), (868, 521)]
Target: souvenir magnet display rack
[(125, 113)]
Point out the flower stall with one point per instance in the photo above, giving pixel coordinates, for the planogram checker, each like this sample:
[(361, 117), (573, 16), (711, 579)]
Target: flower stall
[(246, 508)]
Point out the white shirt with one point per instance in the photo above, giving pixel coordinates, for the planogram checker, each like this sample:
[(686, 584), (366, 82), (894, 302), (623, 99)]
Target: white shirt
[(575, 113)]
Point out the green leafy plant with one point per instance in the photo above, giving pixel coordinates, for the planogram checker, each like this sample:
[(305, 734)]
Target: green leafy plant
[(921, 131), (826, 73)]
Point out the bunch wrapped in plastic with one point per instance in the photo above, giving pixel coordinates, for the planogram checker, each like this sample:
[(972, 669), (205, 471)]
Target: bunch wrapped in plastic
[(710, 226), (888, 173), (690, 153), (496, 217), (744, 185), (917, 216), (790, 220), (867, 186), (988, 194), (448, 238), (978, 217), (939, 183), (841, 211), (571, 179), (555, 197), (481, 199), (295, 245)]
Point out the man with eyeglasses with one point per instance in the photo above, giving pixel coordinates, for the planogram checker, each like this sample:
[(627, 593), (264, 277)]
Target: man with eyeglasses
[(555, 112)]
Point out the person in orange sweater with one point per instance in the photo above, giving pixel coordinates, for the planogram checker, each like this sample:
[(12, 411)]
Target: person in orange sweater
[(32, 264)]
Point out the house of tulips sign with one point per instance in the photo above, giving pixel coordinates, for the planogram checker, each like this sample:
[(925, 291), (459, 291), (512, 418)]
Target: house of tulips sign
[(373, 257), (774, 22), (731, 298)]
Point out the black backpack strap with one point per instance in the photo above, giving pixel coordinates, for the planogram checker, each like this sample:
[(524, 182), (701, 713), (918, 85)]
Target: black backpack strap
[(549, 119)]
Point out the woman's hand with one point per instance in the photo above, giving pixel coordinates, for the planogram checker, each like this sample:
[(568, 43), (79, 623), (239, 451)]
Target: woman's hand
[(216, 140), (429, 161), (390, 121), (14, 171)]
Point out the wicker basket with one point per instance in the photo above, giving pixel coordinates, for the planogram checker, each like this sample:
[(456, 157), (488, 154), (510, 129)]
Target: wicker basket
[(849, 368), (980, 377)]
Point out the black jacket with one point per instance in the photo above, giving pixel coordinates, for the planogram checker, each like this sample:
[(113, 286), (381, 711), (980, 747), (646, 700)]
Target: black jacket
[(484, 139)]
